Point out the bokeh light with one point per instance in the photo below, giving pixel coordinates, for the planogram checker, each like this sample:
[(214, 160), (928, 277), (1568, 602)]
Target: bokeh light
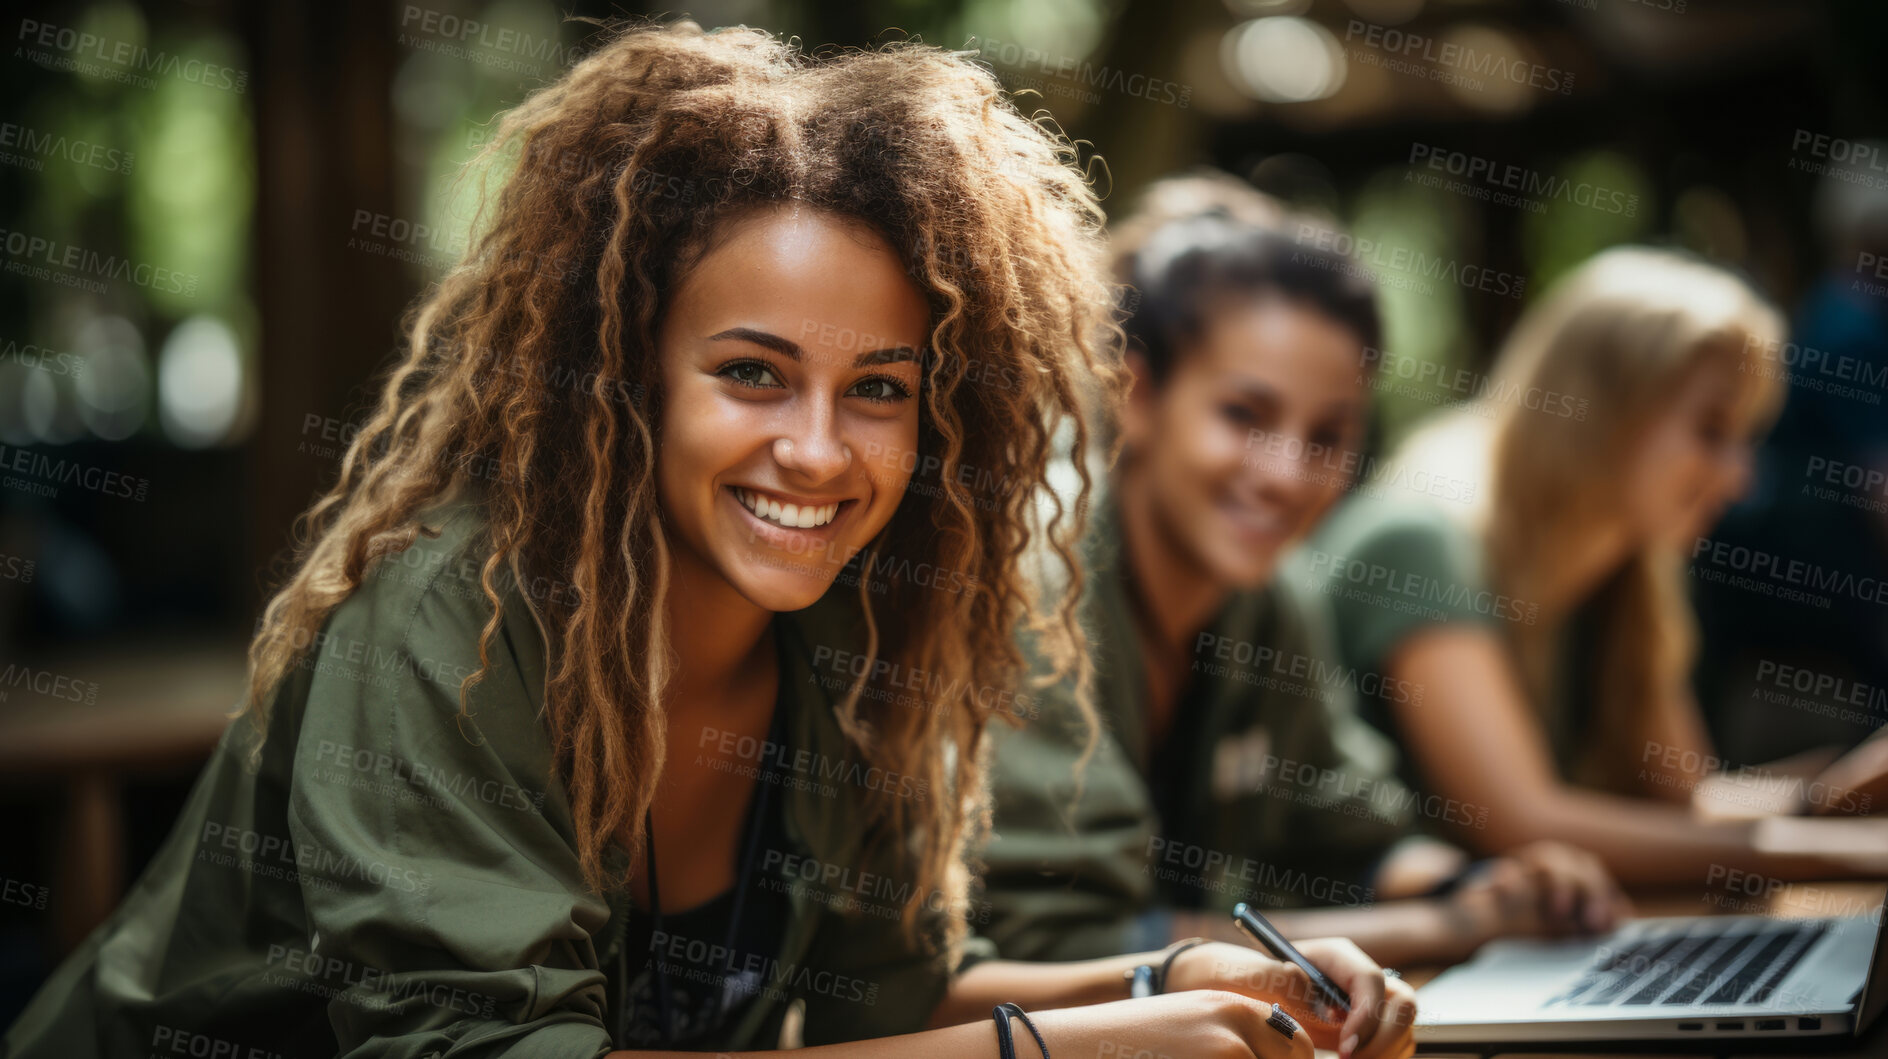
[(199, 382), (1284, 59)]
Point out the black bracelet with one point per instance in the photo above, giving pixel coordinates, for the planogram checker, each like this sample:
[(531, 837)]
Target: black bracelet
[(1454, 882), (1005, 1043), (1166, 965)]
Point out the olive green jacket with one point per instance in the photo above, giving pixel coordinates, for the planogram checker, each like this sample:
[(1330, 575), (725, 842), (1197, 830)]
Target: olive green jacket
[(1287, 800), (391, 879)]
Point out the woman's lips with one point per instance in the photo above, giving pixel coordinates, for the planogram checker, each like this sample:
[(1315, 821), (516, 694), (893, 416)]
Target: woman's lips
[(1254, 523), (793, 538), (786, 511)]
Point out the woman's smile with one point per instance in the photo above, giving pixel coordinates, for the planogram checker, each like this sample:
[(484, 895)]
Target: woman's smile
[(803, 514), (783, 520)]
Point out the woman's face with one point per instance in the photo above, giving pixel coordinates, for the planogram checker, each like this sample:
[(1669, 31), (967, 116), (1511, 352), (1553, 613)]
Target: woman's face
[(1691, 462), (1251, 437), (790, 376)]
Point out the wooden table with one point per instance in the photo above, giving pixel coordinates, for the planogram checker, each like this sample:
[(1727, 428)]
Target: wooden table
[(158, 710)]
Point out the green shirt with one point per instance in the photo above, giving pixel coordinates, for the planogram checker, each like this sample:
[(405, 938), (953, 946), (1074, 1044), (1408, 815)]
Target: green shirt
[(1392, 567), (393, 880), (1278, 794)]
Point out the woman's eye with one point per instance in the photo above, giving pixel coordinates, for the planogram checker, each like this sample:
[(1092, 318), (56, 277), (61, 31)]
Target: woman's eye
[(1238, 413), (881, 388), (750, 373)]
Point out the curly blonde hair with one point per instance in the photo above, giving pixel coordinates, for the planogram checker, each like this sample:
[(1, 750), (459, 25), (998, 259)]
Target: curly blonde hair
[(620, 174)]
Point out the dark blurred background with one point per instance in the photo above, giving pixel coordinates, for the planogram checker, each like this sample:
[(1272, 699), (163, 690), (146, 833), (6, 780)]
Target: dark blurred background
[(215, 212)]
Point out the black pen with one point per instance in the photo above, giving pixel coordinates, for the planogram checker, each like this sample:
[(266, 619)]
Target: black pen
[(1250, 921)]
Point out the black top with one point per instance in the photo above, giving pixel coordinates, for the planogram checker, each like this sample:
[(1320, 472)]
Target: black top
[(1173, 773), (707, 964), (691, 952)]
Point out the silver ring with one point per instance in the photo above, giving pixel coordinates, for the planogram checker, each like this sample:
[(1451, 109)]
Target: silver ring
[(1391, 972), (1282, 1022)]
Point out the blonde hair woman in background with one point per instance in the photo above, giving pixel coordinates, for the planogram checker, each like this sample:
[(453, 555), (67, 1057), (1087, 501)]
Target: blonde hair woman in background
[(1522, 559)]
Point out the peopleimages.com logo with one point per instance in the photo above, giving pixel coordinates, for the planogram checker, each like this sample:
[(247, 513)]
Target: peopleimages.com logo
[(1452, 61)]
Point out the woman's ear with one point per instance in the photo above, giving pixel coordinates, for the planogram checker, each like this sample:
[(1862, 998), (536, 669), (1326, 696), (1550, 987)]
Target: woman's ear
[(1137, 414)]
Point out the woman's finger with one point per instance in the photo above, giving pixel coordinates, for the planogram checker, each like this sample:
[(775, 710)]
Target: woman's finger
[(1274, 1033), (1596, 893), (1510, 880), (1395, 1037), (1561, 882), (1359, 976), (1601, 903)]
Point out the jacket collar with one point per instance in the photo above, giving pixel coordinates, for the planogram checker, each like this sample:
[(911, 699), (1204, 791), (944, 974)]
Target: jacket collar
[(1121, 694)]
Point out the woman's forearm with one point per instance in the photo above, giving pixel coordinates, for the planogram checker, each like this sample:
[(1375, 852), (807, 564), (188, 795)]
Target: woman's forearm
[(1395, 933), (1037, 985), (1649, 843), (975, 1040), (1477, 741)]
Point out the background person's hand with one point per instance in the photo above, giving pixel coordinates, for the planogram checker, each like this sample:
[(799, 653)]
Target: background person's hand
[(1542, 888), (1383, 1010), (1857, 783), (1578, 894)]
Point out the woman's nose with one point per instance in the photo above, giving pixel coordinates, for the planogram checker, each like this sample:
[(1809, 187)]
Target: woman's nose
[(1285, 472), (814, 447)]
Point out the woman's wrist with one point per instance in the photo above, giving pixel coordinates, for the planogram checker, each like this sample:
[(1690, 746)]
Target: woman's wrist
[(1005, 1033), (1151, 974), (1178, 966), (1460, 926), (1163, 977)]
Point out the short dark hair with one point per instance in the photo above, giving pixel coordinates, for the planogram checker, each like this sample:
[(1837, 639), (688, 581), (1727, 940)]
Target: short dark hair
[(1191, 267)]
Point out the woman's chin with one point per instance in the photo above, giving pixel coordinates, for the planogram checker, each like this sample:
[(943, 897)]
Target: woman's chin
[(1252, 576), (1243, 568), (784, 587)]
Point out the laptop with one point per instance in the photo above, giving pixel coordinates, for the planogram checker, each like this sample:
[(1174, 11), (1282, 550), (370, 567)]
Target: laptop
[(1691, 977)]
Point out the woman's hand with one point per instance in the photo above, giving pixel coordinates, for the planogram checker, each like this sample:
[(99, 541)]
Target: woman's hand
[(1857, 783), (1542, 888), (1383, 1010), (1575, 892), (1194, 1024)]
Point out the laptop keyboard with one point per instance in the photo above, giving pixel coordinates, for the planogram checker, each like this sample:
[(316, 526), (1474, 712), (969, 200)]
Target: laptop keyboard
[(1706, 965)]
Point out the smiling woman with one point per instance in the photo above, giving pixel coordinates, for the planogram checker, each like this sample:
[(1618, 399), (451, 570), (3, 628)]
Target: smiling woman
[(558, 739)]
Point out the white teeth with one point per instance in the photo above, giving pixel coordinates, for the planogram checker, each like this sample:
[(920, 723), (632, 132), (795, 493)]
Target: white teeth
[(794, 516)]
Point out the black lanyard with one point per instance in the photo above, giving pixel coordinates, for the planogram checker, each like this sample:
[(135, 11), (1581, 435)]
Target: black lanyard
[(750, 843)]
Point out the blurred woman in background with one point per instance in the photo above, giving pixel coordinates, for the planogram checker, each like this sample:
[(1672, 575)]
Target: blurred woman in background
[(1233, 767), (1522, 559)]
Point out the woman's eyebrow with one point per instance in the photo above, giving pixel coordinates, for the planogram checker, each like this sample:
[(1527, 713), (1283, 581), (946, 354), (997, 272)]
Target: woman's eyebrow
[(791, 350), (888, 355), (1252, 389)]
